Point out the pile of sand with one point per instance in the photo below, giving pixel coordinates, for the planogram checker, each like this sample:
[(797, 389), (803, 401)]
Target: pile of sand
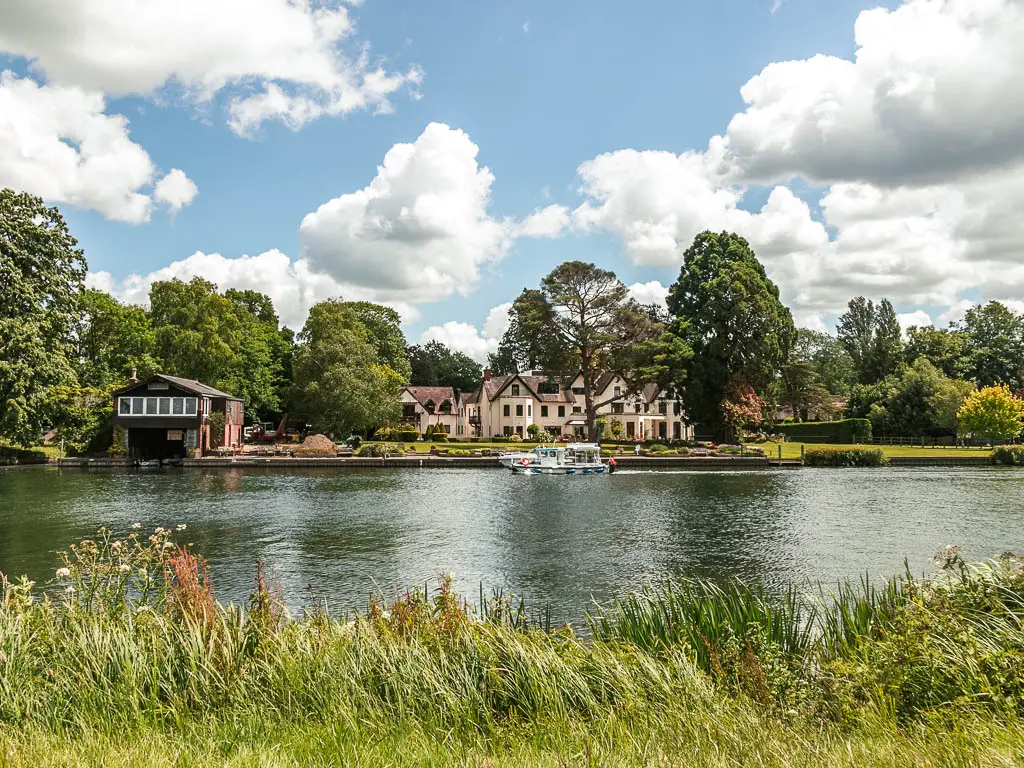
[(316, 445)]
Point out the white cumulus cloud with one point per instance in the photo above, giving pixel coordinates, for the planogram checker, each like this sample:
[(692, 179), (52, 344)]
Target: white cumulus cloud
[(420, 230), (175, 190), (292, 60), (59, 143), (917, 142), (934, 92), (467, 338), (293, 286)]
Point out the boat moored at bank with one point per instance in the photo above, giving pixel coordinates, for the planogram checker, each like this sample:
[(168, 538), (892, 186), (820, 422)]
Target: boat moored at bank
[(575, 458)]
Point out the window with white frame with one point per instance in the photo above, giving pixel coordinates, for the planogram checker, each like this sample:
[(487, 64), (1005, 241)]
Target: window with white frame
[(156, 406)]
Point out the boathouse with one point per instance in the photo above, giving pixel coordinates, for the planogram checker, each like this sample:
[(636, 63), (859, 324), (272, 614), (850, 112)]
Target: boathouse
[(166, 417)]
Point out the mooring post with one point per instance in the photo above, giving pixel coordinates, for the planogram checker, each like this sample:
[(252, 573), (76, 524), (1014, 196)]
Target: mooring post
[(780, 453), (801, 454)]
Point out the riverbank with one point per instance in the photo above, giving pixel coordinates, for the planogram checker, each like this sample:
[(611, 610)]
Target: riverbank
[(912, 673), (427, 461)]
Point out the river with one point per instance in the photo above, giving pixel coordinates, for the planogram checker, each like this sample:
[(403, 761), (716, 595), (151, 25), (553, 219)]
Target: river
[(337, 536)]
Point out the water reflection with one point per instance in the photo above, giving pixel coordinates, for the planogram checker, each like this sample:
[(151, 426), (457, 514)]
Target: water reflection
[(561, 541)]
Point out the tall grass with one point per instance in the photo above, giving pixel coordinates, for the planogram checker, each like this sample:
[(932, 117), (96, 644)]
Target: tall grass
[(141, 663)]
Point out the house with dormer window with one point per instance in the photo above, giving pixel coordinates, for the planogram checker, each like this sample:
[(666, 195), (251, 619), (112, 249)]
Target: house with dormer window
[(431, 406)]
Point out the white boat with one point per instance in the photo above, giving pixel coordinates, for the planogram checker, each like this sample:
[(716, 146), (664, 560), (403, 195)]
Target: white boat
[(514, 457), (572, 459)]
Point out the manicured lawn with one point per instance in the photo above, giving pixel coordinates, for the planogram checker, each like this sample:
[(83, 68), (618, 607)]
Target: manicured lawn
[(792, 450)]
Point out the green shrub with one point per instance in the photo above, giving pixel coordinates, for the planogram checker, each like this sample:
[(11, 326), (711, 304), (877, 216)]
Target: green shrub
[(659, 448), (845, 431), (439, 436), (683, 451), (533, 430), (515, 439), (1009, 455), (11, 455), (407, 435), (384, 433), (377, 450), (845, 457)]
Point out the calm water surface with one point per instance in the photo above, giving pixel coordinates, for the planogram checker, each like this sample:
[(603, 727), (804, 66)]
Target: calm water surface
[(558, 540)]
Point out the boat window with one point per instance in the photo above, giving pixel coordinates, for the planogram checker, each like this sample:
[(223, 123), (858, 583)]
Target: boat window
[(136, 406), (190, 406), (165, 406), (176, 406), (124, 406)]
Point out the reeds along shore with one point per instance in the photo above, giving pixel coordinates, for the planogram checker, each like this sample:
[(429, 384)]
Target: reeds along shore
[(128, 659)]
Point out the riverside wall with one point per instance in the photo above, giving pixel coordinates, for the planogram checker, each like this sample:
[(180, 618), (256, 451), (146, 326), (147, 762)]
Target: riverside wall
[(721, 463)]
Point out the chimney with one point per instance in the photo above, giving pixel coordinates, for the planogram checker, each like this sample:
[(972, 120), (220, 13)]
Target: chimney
[(135, 378), (487, 374)]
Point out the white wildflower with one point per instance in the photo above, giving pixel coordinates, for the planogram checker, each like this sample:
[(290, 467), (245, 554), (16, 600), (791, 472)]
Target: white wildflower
[(181, 527), (63, 573), (123, 568), (136, 526)]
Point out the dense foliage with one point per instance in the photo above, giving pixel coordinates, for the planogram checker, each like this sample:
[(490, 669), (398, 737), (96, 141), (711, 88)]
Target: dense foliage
[(42, 272), (993, 412), (728, 313), (435, 365), (726, 347)]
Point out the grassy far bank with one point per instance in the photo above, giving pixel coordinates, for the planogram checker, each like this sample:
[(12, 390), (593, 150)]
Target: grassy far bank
[(912, 673)]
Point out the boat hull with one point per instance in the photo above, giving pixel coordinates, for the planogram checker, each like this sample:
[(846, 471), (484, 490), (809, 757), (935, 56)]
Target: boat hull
[(536, 470)]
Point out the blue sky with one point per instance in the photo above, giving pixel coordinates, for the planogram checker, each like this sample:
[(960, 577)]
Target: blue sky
[(541, 88)]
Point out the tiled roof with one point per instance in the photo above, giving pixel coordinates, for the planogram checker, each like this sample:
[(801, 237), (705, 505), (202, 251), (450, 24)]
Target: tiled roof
[(189, 385), (435, 394), (494, 387)]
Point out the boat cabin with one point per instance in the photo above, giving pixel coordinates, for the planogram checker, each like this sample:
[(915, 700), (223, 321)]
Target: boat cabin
[(167, 417)]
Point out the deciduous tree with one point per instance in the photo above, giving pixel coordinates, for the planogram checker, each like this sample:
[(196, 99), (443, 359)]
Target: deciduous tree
[(992, 412), (340, 384), (871, 335), (996, 345), (435, 365), (42, 272)]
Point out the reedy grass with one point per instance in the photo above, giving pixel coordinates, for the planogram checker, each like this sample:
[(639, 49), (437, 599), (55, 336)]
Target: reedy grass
[(913, 672)]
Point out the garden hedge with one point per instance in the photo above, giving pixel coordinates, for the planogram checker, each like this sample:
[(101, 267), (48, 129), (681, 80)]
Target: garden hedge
[(845, 431)]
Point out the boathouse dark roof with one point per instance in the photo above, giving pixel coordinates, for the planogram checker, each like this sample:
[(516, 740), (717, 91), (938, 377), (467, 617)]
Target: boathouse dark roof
[(188, 385)]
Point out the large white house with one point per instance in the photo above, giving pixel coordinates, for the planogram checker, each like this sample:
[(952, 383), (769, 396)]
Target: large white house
[(508, 405)]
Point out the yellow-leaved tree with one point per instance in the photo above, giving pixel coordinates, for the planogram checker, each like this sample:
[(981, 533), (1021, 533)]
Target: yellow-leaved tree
[(992, 412)]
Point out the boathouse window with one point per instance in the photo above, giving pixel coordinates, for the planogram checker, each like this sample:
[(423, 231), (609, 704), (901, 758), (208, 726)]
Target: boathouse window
[(156, 406), (519, 410), (561, 411), (577, 390), (618, 391), (618, 408), (543, 410), (515, 390), (508, 410)]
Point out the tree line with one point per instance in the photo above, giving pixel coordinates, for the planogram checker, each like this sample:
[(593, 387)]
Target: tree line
[(724, 346), (65, 348)]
